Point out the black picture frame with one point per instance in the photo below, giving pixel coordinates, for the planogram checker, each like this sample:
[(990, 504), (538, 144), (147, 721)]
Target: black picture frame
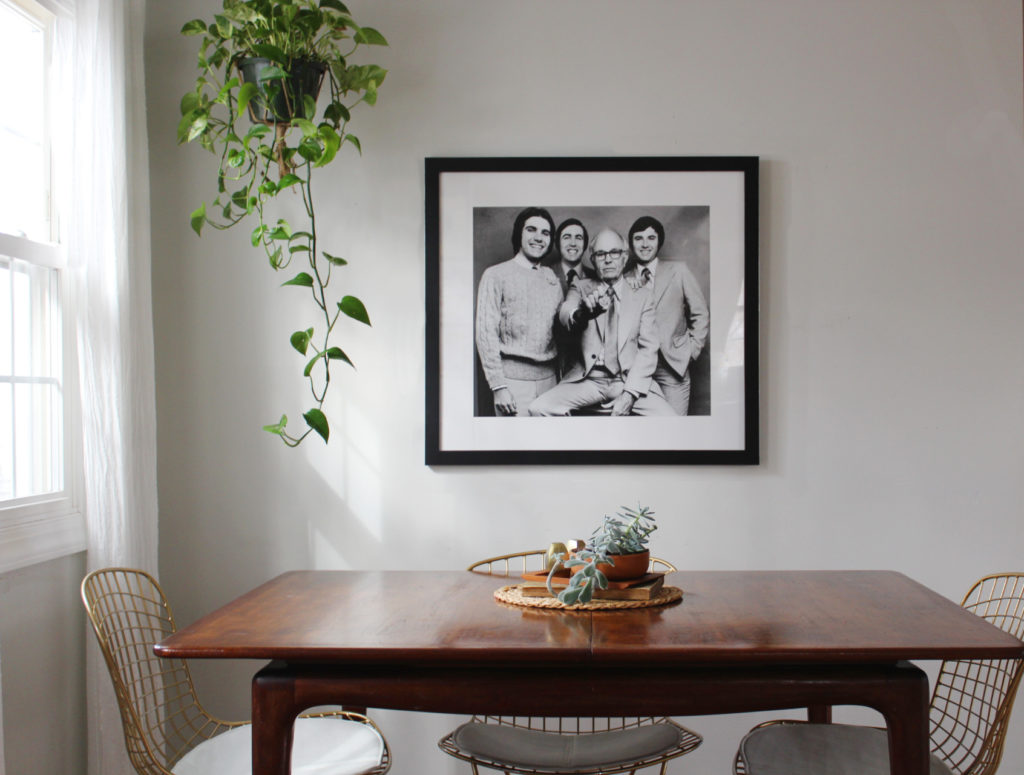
[(710, 201)]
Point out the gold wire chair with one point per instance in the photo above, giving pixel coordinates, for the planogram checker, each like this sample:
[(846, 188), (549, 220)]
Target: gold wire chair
[(564, 746), (969, 712), (164, 724)]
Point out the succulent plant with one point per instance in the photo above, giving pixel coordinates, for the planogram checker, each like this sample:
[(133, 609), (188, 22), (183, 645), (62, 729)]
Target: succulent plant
[(624, 533)]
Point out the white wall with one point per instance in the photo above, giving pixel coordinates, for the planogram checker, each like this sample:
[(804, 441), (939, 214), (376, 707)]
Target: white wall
[(891, 309), (42, 637)]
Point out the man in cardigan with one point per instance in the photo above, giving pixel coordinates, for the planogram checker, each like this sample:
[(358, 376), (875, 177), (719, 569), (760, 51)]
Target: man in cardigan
[(680, 309), (618, 342), (516, 305)]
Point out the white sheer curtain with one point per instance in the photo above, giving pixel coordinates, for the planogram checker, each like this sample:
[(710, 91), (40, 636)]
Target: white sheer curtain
[(109, 257)]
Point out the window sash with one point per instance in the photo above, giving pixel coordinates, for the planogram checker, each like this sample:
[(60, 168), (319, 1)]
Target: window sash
[(48, 525)]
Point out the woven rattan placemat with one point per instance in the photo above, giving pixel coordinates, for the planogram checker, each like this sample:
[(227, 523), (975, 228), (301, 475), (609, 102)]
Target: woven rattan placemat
[(513, 594)]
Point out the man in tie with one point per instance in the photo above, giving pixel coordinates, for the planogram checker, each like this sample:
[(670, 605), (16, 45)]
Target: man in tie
[(516, 305), (571, 239), (680, 309), (618, 349)]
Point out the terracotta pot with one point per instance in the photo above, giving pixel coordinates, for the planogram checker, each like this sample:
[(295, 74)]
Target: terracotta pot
[(627, 566)]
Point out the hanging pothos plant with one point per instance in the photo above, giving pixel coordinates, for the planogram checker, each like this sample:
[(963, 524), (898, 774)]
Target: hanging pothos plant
[(269, 58)]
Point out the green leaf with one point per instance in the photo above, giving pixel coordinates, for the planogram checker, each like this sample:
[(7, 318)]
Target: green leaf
[(308, 106), (271, 73), (224, 28), (194, 27), (315, 419), (257, 235), (277, 427), (245, 94), (354, 308), (198, 218), (310, 149), (312, 362), (271, 52), (370, 36), (332, 142), (287, 181), (300, 340), (336, 113), (355, 141), (337, 5), (302, 278), (299, 249), (240, 12), (189, 103), (337, 354), (198, 126), (336, 260), (308, 127), (236, 159)]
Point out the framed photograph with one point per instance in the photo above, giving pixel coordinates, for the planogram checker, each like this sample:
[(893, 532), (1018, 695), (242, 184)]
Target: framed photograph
[(592, 310)]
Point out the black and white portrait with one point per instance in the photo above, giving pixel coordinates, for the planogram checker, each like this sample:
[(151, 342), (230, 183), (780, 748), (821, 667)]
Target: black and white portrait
[(526, 260), (591, 310)]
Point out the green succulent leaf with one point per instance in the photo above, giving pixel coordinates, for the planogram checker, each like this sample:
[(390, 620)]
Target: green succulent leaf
[(300, 340), (303, 279), (316, 420), (354, 308), (198, 218)]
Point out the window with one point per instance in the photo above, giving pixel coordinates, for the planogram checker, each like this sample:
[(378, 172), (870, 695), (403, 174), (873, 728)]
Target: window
[(38, 518)]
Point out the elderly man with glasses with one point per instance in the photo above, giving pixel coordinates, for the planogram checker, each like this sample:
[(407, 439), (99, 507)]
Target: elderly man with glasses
[(618, 342)]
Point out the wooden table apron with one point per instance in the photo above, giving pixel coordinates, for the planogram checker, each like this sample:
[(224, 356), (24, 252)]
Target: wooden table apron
[(739, 641)]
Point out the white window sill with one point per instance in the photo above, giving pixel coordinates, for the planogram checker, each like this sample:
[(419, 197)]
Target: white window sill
[(37, 531)]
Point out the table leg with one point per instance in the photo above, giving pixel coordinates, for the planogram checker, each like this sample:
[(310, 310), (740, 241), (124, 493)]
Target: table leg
[(819, 714), (273, 720), (906, 717)]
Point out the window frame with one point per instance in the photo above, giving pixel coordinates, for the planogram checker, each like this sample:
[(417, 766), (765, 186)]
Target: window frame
[(37, 528)]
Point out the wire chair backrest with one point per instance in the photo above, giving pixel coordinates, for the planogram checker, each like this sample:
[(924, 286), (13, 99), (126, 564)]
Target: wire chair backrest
[(973, 698), (160, 712), (508, 565), (534, 561)]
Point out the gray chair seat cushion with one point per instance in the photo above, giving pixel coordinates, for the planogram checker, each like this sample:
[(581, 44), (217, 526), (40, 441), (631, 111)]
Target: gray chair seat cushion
[(821, 749), (519, 747)]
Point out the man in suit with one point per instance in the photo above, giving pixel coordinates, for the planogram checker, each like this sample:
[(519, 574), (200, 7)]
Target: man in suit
[(571, 239), (618, 342), (680, 309)]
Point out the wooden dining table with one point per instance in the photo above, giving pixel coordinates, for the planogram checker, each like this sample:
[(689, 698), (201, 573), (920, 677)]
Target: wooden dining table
[(738, 641)]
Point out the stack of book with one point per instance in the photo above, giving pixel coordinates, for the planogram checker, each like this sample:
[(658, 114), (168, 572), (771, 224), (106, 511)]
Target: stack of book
[(643, 588)]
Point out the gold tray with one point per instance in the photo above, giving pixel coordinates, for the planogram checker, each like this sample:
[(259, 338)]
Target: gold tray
[(512, 594)]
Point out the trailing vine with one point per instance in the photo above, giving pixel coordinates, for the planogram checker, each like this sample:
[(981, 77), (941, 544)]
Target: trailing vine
[(281, 149)]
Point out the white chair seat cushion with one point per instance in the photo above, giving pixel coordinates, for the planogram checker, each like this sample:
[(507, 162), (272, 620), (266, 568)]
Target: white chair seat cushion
[(322, 746), (821, 749), (517, 747)]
